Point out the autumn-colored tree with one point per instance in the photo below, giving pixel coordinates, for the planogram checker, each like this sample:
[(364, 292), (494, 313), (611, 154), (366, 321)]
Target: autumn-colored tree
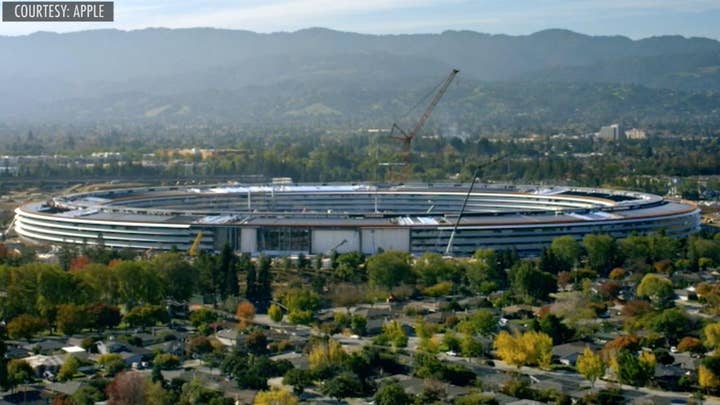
[(127, 388), (636, 308), (275, 396), (590, 365), (623, 342), (690, 344), (709, 373), (524, 349), (245, 313), (72, 318), (25, 326), (617, 273), (79, 262), (327, 353), (711, 332)]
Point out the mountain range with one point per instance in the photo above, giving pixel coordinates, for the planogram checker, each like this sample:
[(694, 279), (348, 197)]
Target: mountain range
[(318, 76)]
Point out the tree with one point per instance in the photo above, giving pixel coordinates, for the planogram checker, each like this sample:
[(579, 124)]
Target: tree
[(602, 252), (567, 250), (299, 379), (113, 363), (25, 326), (251, 283), (275, 313), (178, 275), (634, 370), (138, 284), (203, 316), (227, 280), (146, 316), (19, 372), (264, 283), (657, 289), (245, 313), (102, 316), (485, 272), (482, 322), (72, 318), (711, 332), (166, 361), (524, 349), (590, 365), (552, 326), (529, 283), (673, 324), (301, 305), (395, 334), (389, 269), (709, 373), (127, 388), (256, 342), (345, 384), (275, 396), (326, 354), (690, 344), (69, 368), (391, 393)]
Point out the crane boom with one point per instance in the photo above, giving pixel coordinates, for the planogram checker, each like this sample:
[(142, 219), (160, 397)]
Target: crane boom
[(436, 99), (407, 137), (478, 169)]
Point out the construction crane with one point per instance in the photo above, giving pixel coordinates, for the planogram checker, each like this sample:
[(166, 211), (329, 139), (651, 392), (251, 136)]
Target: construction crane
[(478, 169), (192, 252), (407, 137)]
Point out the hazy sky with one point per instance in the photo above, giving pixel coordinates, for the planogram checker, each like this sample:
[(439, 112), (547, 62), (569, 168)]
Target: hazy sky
[(633, 18)]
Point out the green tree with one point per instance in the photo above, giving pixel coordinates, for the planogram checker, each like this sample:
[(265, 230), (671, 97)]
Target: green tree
[(146, 316), (19, 372), (69, 368), (602, 252), (635, 370), (178, 275), (112, 363), (485, 272), (264, 283), (391, 393), (227, 272), (567, 250), (528, 283), (657, 289), (389, 269), (395, 334), (299, 379), (275, 313), (345, 384)]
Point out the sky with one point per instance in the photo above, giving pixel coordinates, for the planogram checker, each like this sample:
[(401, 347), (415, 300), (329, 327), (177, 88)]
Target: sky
[(632, 18)]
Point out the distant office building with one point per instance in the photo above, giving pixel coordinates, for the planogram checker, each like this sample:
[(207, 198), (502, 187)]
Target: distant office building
[(610, 133), (635, 134)]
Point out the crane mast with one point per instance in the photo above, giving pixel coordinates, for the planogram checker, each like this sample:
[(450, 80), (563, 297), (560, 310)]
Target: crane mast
[(407, 137)]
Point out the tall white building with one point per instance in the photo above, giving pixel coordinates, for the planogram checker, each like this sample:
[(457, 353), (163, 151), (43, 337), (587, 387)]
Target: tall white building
[(610, 132)]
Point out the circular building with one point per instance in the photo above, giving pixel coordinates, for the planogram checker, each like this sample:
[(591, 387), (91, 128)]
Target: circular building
[(316, 219)]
